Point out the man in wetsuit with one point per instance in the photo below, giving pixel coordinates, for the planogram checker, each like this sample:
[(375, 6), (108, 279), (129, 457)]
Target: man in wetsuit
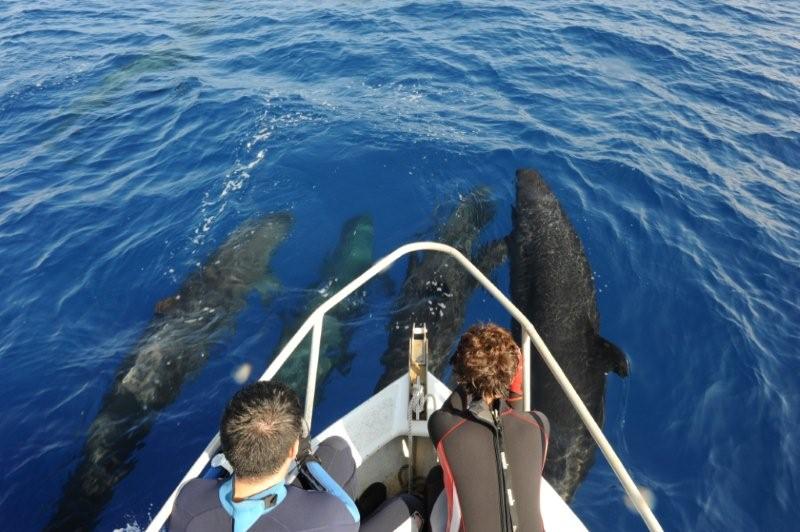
[(261, 437), (492, 456)]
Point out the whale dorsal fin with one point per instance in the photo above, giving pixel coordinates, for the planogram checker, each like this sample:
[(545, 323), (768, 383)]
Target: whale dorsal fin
[(166, 305), (613, 357), (491, 255)]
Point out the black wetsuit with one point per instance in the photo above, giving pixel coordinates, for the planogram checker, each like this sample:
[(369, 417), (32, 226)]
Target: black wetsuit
[(469, 444)]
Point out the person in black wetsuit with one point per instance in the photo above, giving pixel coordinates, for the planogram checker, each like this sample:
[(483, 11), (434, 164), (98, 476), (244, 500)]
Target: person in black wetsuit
[(491, 455)]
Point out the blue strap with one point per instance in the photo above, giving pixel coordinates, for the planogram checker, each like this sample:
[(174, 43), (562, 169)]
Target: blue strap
[(332, 487), (245, 513)]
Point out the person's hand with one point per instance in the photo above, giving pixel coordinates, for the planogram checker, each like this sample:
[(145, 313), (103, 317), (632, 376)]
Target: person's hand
[(304, 453)]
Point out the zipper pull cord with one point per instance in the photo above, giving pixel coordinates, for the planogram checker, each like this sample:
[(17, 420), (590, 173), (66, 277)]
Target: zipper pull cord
[(506, 470)]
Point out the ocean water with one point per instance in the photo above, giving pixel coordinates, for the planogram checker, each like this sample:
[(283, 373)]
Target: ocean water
[(135, 136)]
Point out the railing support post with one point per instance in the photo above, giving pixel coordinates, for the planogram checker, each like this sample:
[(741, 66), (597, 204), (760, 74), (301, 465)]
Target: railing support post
[(526, 371), (313, 364)]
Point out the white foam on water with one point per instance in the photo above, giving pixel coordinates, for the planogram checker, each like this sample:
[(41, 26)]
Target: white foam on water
[(212, 206), (130, 527)]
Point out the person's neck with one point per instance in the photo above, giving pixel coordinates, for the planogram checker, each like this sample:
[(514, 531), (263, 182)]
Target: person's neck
[(246, 487)]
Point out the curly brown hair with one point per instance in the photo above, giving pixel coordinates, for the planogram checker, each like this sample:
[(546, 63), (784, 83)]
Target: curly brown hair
[(486, 360)]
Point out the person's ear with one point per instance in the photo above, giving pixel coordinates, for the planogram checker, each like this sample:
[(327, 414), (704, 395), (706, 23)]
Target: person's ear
[(295, 449)]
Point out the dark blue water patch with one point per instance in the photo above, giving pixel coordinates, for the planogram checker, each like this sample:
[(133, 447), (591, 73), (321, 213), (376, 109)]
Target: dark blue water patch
[(739, 14), (786, 149), (31, 37), (768, 85), (445, 11), (650, 55), (242, 24), (46, 15), (346, 21), (138, 40)]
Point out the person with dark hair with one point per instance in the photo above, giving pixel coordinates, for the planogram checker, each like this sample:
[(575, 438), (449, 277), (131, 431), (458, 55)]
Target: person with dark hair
[(261, 433), (491, 455)]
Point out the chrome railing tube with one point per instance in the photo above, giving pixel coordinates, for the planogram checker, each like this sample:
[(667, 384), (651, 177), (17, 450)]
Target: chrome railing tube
[(313, 364), (526, 371)]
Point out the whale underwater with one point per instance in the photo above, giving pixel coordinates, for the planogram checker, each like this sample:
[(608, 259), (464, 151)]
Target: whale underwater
[(353, 254), (552, 284), (175, 345), (436, 288)]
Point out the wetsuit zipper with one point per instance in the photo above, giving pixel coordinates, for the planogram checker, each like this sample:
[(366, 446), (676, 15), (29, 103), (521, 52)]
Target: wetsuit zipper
[(501, 478), (495, 426)]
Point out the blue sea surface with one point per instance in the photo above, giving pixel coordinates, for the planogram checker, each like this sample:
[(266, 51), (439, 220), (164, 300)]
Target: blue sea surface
[(135, 136)]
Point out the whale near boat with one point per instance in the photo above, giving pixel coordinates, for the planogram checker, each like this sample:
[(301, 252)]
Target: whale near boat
[(388, 433)]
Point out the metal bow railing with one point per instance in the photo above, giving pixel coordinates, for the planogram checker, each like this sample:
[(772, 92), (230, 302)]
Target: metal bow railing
[(529, 335)]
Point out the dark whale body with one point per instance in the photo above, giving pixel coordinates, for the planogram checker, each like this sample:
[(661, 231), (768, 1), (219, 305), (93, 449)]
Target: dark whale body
[(352, 256), (436, 288), (552, 284), (175, 345)]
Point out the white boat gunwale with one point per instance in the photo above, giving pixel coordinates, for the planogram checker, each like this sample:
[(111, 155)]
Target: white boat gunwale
[(314, 324)]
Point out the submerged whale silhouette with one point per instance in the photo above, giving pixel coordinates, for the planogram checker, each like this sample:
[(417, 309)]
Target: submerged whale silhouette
[(352, 256), (175, 345), (552, 284), (436, 288)]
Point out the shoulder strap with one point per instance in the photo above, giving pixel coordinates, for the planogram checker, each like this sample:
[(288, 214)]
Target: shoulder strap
[(326, 483)]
